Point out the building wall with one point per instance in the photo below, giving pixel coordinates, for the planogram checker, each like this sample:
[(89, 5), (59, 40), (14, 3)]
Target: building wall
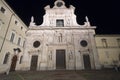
[(108, 47), (10, 23)]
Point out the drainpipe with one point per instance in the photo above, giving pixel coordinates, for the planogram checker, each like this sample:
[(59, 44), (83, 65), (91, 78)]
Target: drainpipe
[(7, 28)]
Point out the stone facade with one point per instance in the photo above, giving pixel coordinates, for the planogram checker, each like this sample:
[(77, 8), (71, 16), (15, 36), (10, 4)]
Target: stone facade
[(12, 38), (60, 32), (108, 47), (58, 43)]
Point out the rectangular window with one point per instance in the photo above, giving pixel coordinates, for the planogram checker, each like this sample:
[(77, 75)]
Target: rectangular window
[(104, 42), (16, 22), (12, 37), (23, 43), (60, 23), (0, 24), (119, 57), (19, 40), (2, 10), (21, 59), (118, 41)]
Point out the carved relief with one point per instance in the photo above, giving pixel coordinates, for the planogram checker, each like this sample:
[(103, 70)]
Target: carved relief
[(59, 37), (70, 55), (34, 52)]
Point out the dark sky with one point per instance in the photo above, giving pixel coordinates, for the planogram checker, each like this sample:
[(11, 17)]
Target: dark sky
[(105, 14)]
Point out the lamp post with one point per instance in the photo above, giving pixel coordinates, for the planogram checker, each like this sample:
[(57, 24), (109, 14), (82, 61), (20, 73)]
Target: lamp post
[(17, 50)]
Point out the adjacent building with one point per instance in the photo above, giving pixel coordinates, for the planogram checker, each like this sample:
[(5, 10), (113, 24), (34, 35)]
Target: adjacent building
[(12, 38), (108, 47)]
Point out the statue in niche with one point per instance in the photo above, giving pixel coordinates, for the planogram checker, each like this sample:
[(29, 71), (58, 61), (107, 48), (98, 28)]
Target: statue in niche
[(70, 55), (60, 37), (50, 55), (32, 23)]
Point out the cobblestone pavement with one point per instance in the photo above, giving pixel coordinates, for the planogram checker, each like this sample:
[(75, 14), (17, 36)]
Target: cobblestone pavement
[(63, 75), (42, 75)]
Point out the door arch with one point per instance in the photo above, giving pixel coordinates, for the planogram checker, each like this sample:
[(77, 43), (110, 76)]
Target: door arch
[(13, 63)]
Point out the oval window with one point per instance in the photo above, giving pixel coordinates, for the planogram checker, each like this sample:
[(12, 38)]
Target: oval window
[(83, 43), (59, 4), (36, 44)]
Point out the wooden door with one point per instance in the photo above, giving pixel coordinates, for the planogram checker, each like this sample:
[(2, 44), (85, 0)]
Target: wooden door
[(60, 59), (34, 60), (13, 63), (86, 59)]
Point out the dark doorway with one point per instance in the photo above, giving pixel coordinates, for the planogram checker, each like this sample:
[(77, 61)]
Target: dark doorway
[(34, 60), (13, 63), (86, 59), (60, 59)]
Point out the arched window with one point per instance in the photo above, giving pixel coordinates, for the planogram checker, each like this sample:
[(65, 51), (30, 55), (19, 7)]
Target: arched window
[(12, 37), (6, 58)]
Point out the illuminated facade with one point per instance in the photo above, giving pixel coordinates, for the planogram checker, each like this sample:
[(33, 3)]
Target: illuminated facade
[(58, 43), (12, 39)]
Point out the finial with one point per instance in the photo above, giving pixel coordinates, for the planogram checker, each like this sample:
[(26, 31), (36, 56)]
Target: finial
[(32, 19), (86, 18), (87, 23), (32, 23)]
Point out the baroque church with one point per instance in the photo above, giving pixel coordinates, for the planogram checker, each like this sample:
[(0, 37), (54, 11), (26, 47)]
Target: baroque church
[(60, 42)]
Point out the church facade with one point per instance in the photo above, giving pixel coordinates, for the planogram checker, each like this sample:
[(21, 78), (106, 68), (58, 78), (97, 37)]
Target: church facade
[(59, 42)]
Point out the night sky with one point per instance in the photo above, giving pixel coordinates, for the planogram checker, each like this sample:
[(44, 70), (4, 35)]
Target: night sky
[(105, 14)]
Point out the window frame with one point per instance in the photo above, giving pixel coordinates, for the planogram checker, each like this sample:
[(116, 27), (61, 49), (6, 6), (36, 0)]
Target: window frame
[(59, 22), (20, 59), (6, 58), (19, 41), (118, 42), (2, 10), (1, 24), (12, 37), (104, 43)]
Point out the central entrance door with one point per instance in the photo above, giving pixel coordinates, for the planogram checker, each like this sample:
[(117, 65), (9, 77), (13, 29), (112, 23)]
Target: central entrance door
[(34, 62), (60, 59), (86, 59)]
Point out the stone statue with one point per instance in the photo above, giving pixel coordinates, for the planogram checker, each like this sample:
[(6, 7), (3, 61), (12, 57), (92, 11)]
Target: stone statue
[(50, 55), (87, 23), (86, 18), (32, 19), (70, 55), (32, 23)]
